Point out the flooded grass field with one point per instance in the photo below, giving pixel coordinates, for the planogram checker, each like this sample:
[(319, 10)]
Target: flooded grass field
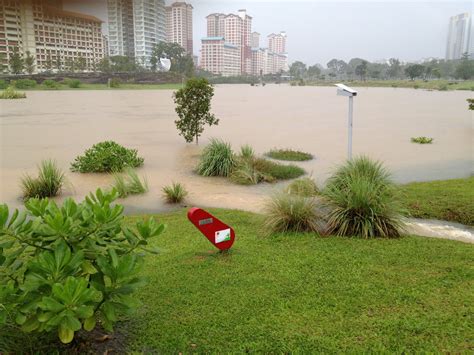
[(61, 125)]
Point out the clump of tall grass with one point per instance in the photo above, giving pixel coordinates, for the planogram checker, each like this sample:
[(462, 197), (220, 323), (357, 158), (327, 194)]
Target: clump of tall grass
[(175, 193), (217, 159), (289, 154), (285, 213), (51, 84), (362, 201), (305, 187), (278, 171), (11, 94), (48, 183), (129, 183)]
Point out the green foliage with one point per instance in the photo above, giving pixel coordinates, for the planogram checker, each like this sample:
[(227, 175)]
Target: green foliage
[(305, 187), (73, 83), (247, 152), (217, 159), (193, 105), (414, 71), (291, 213), (175, 193), (278, 171), (247, 173), (443, 87), (129, 184), (422, 140), (180, 61), (16, 61), (11, 94), (48, 183), (29, 63), (465, 69), (471, 104), (51, 84), (3, 84), (288, 154), (114, 83), (24, 84), (447, 200), (65, 268), (362, 201), (106, 157), (298, 70)]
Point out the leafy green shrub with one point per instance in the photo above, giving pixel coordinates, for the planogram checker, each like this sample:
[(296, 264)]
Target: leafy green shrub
[(288, 154), (129, 184), (278, 171), (51, 84), (3, 84), (416, 86), (247, 173), (175, 193), (291, 213), (394, 85), (11, 94), (217, 159), (422, 140), (106, 157), (305, 187), (443, 87), (362, 201), (48, 183), (24, 84), (66, 268), (471, 104), (73, 83), (114, 83)]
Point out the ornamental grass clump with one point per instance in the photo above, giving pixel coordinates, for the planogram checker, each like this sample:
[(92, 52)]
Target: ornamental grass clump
[(217, 159), (305, 187), (48, 183), (129, 183), (286, 213), (362, 202), (71, 267), (107, 157), (175, 193), (11, 94), (422, 140), (289, 155)]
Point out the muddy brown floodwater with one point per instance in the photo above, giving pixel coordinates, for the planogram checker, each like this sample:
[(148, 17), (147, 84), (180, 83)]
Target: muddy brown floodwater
[(61, 125)]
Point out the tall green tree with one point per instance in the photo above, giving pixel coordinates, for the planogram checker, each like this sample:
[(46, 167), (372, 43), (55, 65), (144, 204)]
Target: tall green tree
[(29, 63), (314, 71), (48, 65), (414, 71), (81, 64), (395, 68), (465, 69), (193, 106), (361, 70), (298, 70), (180, 61), (16, 62)]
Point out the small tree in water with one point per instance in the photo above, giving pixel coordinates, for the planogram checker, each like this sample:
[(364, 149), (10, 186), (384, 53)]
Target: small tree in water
[(193, 106)]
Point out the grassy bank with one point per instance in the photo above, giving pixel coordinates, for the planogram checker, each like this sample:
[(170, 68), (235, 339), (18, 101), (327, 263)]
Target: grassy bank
[(450, 200), (123, 86), (442, 85), (301, 293)]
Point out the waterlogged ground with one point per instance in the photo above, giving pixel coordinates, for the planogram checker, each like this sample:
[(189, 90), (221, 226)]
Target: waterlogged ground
[(62, 124)]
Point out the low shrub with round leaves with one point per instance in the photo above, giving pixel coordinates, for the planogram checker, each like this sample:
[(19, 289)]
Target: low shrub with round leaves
[(70, 267), (107, 157)]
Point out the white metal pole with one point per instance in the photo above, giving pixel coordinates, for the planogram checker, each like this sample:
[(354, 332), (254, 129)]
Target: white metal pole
[(349, 148)]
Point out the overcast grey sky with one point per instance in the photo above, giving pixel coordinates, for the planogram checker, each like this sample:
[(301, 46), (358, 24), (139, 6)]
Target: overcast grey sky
[(321, 30)]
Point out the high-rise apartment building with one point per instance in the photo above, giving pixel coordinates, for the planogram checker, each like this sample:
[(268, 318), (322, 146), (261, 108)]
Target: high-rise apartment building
[(277, 43), (216, 25), (255, 40), (220, 57), (54, 37), (179, 20), (460, 37), (135, 26)]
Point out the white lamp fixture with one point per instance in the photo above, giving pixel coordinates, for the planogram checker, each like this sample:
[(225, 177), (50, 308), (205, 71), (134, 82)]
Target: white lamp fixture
[(343, 90)]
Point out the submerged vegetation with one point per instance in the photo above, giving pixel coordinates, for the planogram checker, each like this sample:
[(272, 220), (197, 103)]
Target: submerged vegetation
[(175, 193), (362, 201), (11, 94), (107, 157), (48, 183), (422, 140), (305, 187), (289, 154), (129, 183), (217, 159)]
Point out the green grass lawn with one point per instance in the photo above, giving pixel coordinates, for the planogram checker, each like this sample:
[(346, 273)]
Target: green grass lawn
[(301, 293), (450, 200), (417, 84)]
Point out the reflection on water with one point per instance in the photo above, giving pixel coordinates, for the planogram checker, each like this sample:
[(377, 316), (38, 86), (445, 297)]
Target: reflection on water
[(61, 125)]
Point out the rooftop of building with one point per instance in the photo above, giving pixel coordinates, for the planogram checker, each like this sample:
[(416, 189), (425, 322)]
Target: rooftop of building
[(50, 10)]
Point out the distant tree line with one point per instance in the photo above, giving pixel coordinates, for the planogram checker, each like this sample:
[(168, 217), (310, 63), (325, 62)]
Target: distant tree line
[(180, 62), (361, 69)]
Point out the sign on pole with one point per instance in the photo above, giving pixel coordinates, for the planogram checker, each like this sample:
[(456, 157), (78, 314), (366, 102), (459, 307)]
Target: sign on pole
[(343, 90)]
